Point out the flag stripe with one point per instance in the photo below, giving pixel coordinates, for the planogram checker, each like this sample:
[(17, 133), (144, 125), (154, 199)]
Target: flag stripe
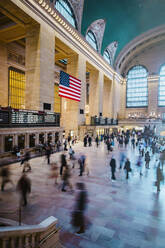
[(71, 82), (66, 88), (75, 79), (69, 95), (72, 93), (76, 88)]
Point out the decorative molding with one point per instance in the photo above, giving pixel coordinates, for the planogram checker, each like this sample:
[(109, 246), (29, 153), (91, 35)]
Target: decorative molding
[(17, 58), (98, 27)]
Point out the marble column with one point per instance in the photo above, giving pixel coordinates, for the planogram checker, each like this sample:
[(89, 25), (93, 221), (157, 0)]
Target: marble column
[(153, 85), (93, 93), (40, 47)]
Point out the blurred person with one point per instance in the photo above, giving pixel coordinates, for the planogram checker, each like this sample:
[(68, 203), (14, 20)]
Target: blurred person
[(63, 163), (159, 177), (71, 152), (113, 167), (48, 153), (89, 141), (122, 159), (147, 159), (65, 177), (85, 141), (78, 218), (127, 167), (97, 141), (24, 188), (139, 164), (5, 174), (81, 162), (54, 172)]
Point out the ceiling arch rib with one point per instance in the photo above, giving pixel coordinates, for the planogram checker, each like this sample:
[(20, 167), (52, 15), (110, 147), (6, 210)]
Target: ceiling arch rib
[(112, 48), (98, 28)]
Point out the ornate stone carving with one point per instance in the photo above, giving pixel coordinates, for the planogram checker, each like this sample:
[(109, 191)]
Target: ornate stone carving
[(98, 27), (112, 50)]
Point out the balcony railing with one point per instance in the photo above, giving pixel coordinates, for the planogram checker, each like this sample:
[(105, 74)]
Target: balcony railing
[(101, 121), (44, 235), (27, 118)]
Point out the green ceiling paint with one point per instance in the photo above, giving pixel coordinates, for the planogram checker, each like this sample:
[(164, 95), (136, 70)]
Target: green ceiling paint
[(125, 19)]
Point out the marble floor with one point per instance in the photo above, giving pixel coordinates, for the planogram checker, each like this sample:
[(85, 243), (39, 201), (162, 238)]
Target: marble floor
[(121, 214)]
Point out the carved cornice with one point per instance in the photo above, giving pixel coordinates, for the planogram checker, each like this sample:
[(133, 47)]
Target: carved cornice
[(98, 27)]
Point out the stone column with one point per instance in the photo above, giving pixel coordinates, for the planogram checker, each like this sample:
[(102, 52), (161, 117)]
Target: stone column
[(82, 76), (3, 75), (107, 101), (2, 143), (37, 138), (100, 93), (27, 140), (153, 84), (122, 112), (15, 139), (93, 93), (40, 47)]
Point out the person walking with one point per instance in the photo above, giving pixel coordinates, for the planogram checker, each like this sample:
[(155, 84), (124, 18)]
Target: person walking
[(81, 162), (65, 178), (48, 153), (159, 177), (24, 188), (147, 159), (127, 168), (113, 168), (63, 163), (78, 218), (5, 174)]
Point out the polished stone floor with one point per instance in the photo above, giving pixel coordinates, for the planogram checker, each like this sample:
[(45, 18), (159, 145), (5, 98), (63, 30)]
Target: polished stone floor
[(121, 214)]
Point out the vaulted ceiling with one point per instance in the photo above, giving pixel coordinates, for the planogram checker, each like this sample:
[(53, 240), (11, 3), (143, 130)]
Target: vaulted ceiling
[(125, 19)]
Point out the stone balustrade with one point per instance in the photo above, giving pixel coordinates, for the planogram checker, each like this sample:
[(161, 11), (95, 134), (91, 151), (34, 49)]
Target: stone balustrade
[(43, 235)]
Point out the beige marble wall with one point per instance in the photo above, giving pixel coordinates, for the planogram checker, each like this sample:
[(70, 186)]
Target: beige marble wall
[(107, 94), (93, 93), (40, 46), (3, 75), (152, 96), (100, 89)]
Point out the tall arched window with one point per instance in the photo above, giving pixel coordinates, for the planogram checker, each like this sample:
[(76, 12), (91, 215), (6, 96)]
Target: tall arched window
[(65, 9), (137, 87), (90, 37), (161, 94), (107, 57)]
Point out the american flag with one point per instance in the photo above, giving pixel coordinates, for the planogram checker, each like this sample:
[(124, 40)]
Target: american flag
[(69, 87)]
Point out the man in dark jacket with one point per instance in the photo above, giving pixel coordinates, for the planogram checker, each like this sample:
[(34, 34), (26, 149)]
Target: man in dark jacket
[(113, 167), (24, 187), (127, 167)]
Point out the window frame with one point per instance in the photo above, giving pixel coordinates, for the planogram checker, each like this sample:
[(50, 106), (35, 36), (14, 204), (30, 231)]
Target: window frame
[(71, 10), (142, 67), (110, 60), (95, 40), (16, 70), (159, 85)]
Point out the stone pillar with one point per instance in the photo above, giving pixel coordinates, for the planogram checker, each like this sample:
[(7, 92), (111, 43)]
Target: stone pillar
[(37, 138), (2, 143), (40, 47), (153, 84), (100, 93), (93, 93), (15, 139), (122, 112), (107, 100), (27, 140), (82, 76), (3, 75)]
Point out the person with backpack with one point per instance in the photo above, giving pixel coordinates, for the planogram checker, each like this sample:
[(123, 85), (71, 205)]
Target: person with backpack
[(127, 167)]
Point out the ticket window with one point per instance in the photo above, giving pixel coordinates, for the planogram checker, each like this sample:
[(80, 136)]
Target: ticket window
[(8, 143), (41, 138), (32, 140), (21, 141)]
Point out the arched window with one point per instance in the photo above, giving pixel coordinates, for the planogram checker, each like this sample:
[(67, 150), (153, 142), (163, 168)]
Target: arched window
[(107, 57), (65, 9), (161, 94), (90, 37), (137, 87)]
